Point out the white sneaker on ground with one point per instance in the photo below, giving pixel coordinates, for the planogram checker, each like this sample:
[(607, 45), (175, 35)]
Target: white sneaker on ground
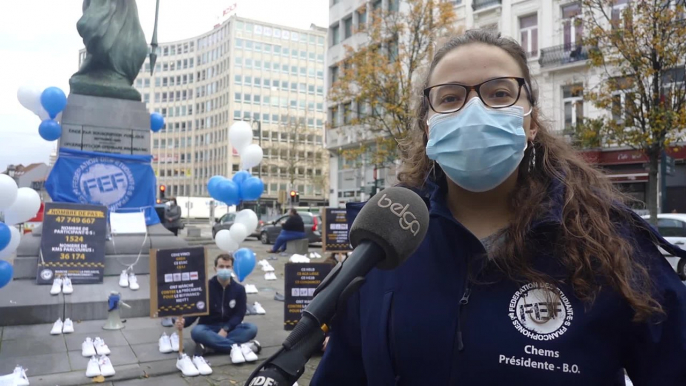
[(106, 367), (237, 355), (100, 347), (174, 338), (56, 286), (260, 310), (202, 366), (68, 327), (186, 366), (67, 288), (165, 344), (124, 279), (248, 354), (57, 327), (273, 275), (20, 378), (262, 262), (250, 289), (87, 348), (93, 369), (133, 282)]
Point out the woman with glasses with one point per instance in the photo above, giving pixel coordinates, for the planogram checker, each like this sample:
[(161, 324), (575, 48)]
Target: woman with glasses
[(532, 271)]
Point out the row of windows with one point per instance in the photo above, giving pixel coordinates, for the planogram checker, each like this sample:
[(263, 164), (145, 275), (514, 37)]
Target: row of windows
[(267, 48), (201, 189), (267, 100), (178, 49), (276, 84), (279, 33), (284, 68), (274, 118)]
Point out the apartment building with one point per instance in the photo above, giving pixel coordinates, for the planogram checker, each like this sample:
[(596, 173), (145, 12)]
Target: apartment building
[(269, 75)]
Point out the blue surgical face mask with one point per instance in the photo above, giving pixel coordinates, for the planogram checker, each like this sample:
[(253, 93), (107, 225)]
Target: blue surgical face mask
[(224, 274), (478, 148)]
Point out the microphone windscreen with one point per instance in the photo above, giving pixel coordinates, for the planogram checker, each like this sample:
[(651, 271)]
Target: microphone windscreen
[(397, 220)]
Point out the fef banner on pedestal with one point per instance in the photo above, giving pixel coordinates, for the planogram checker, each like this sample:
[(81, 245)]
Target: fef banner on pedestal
[(122, 183)]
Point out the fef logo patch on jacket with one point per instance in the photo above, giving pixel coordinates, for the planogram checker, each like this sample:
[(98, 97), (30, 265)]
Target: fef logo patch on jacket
[(540, 311)]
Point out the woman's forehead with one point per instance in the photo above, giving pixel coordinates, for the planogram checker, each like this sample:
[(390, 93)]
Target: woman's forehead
[(474, 63)]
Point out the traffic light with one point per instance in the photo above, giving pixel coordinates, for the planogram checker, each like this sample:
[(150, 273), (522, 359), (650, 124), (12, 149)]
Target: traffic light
[(163, 189), (294, 194)]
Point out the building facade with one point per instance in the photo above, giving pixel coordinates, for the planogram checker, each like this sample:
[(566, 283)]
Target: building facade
[(268, 75), (550, 32)]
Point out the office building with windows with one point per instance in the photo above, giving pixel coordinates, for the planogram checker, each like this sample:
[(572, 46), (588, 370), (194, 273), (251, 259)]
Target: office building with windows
[(268, 75), (551, 33)]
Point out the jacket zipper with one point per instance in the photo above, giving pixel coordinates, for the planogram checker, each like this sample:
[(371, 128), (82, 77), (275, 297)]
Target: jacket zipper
[(223, 294), (463, 303)]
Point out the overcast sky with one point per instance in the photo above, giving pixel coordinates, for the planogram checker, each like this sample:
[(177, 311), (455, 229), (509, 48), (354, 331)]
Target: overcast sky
[(39, 45)]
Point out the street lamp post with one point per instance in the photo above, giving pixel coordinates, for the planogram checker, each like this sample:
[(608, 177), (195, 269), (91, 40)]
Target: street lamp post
[(259, 170)]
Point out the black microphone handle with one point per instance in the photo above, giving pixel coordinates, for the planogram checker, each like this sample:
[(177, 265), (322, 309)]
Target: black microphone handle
[(287, 365)]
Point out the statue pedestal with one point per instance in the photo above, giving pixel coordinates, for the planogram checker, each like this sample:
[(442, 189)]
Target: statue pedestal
[(105, 125)]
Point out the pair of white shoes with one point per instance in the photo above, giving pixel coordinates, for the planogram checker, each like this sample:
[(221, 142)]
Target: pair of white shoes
[(266, 267), (296, 258), (250, 289), (168, 343), (61, 285), (66, 327), (314, 255), (191, 368), (90, 348), (20, 378), (259, 309), (270, 276), (128, 279), (242, 354), (99, 366)]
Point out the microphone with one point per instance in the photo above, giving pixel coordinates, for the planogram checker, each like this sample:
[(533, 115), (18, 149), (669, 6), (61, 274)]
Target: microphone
[(389, 228)]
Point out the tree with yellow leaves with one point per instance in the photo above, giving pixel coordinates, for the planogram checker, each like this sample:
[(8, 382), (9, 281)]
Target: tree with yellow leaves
[(639, 47), (379, 74)]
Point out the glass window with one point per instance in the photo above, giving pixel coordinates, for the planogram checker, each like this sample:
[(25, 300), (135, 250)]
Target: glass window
[(237, 97), (320, 40), (239, 61), (248, 45), (258, 82), (303, 54), (239, 43), (277, 49), (572, 27), (573, 102), (248, 63), (335, 34), (528, 32), (268, 48), (310, 89), (348, 27), (671, 228), (236, 114), (238, 79)]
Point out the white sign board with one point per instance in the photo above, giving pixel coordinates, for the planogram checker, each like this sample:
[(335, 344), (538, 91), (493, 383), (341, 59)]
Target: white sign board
[(127, 223)]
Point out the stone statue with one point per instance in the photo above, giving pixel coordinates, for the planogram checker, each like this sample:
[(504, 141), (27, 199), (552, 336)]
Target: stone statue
[(116, 49)]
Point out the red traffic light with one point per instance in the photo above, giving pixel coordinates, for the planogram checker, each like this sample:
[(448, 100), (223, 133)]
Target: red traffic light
[(162, 188), (293, 193)]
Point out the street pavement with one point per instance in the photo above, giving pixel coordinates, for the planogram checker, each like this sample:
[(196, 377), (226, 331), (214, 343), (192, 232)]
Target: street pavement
[(135, 354)]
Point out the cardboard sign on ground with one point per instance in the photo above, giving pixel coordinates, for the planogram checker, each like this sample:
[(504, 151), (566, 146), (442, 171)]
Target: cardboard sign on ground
[(301, 281)]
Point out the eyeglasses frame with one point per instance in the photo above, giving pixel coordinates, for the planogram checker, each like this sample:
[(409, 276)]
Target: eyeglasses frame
[(477, 88)]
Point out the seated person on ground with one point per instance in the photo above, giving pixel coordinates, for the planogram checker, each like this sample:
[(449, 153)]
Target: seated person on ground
[(222, 329), (292, 229)]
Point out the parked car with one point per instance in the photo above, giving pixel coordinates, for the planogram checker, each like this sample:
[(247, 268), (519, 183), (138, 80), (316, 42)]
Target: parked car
[(313, 223), (225, 222), (672, 226)]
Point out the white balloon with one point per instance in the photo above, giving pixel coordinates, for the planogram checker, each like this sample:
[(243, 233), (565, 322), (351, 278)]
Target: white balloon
[(239, 232), (29, 97), (240, 135), (248, 218), (13, 245), (224, 241), (25, 207), (8, 191), (252, 156), (42, 114)]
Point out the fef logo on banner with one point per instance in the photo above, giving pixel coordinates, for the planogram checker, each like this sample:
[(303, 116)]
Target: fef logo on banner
[(122, 183), (104, 181)]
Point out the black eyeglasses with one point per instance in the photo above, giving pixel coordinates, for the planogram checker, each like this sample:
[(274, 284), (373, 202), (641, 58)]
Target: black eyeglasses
[(495, 93)]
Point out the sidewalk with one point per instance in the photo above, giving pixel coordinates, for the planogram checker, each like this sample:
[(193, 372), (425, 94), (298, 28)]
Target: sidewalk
[(56, 359)]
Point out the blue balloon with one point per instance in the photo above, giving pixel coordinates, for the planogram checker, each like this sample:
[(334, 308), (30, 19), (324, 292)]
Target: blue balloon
[(5, 235), (6, 273), (53, 101), (50, 130), (156, 122), (252, 188), (212, 185), (240, 176), (244, 262), (227, 191)]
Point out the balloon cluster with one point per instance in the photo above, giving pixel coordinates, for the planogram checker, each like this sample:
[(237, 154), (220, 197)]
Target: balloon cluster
[(228, 240), (240, 136), (47, 104), (233, 191), (18, 205)]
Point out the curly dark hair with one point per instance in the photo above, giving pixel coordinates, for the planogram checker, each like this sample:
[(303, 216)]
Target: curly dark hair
[(591, 244)]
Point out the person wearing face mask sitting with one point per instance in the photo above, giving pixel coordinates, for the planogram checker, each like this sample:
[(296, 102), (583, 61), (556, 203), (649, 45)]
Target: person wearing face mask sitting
[(223, 329)]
